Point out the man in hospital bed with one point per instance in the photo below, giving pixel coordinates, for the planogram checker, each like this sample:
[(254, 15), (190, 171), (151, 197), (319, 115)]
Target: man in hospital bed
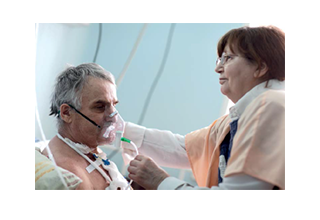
[(83, 101)]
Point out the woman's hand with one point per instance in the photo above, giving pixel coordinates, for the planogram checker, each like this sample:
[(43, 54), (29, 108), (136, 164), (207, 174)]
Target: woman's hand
[(145, 172)]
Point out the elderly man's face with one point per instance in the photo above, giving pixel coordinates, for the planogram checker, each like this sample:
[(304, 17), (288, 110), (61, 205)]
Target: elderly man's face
[(98, 102)]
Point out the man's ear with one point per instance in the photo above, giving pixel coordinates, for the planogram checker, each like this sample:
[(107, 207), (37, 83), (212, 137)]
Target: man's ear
[(262, 71), (65, 113)]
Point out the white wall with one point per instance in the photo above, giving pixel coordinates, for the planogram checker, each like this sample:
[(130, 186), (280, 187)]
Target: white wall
[(187, 96)]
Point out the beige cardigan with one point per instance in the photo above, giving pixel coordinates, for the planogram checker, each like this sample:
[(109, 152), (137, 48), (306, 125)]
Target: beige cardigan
[(258, 147)]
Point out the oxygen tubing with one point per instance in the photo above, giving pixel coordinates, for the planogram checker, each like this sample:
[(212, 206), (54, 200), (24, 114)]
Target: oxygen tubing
[(136, 149)]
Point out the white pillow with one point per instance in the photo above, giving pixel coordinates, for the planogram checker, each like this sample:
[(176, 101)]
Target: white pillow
[(46, 177)]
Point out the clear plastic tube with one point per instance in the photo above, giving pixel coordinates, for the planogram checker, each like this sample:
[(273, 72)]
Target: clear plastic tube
[(135, 147)]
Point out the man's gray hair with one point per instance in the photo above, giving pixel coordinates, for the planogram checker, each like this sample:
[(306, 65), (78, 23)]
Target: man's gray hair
[(69, 85)]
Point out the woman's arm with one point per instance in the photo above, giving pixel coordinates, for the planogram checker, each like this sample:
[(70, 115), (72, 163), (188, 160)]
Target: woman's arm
[(164, 147)]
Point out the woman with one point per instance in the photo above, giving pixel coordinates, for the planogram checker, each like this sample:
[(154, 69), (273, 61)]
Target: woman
[(242, 150)]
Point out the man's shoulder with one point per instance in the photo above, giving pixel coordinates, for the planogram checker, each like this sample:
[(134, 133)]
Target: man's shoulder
[(66, 160), (74, 165)]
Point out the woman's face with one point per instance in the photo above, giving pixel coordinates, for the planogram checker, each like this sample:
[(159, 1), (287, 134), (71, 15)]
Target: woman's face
[(237, 75)]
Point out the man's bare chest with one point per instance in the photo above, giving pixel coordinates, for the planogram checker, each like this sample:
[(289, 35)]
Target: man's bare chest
[(93, 180)]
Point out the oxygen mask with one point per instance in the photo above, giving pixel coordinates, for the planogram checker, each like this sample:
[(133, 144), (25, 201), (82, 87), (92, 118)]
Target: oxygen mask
[(114, 132)]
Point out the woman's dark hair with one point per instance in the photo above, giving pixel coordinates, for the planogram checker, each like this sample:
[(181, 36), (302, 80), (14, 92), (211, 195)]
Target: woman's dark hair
[(259, 45)]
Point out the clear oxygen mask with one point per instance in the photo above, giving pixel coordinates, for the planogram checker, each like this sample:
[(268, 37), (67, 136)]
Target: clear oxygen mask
[(115, 131)]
